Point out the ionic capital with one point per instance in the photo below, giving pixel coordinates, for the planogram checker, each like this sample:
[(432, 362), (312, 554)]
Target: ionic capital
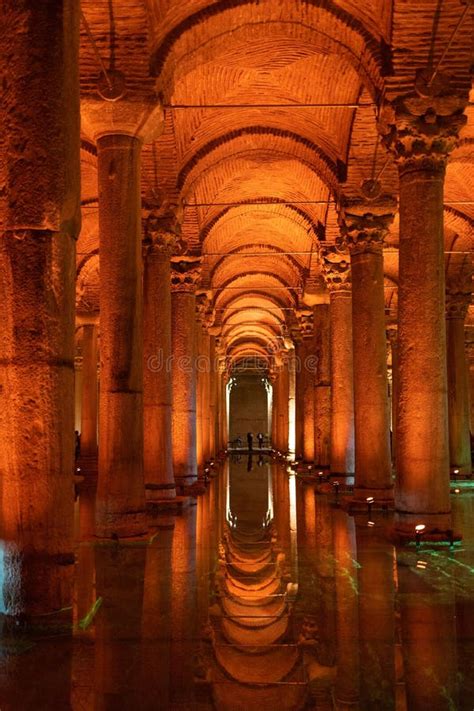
[(336, 268), (185, 274), (421, 128)]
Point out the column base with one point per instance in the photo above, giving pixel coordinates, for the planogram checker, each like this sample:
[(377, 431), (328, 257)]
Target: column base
[(383, 499), (131, 524), (37, 586), (460, 472), (438, 527), (88, 465), (156, 493)]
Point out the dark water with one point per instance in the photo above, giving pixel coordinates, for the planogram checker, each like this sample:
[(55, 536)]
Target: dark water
[(262, 595)]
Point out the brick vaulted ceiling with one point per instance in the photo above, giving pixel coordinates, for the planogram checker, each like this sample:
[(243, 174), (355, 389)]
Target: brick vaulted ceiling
[(268, 120)]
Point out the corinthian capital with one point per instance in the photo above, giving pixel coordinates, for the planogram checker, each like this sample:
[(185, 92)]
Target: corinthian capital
[(185, 273), (423, 126), (336, 267), (162, 230), (459, 292), (364, 224)]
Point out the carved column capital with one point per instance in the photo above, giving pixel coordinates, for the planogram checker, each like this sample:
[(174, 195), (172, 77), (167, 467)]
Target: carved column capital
[(162, 231), (336, 268), (185, 274), (305, 322), (459, 293), (421, 130), (392, 333), (364, 224)]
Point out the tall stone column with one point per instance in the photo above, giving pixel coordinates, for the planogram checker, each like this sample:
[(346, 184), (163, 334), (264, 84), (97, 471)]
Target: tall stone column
[(39, 223), (212, 413), (307, 369), (364, 226), (184, 278), (89, 392), (284, 397), (392, 337), (120, 492), (199, 345), (299, 359), (161, 234), (457, 302), (274, 377), (322, 385), (336, 271), (421, 132)]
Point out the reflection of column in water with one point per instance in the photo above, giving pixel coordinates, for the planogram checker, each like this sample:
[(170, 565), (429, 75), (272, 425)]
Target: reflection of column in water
[(376, 617), (429, 642), (156, 624), (463, 516), (118, 626), (326, 579), (84, 598), (347, 616), (183, 609), (202, 559)]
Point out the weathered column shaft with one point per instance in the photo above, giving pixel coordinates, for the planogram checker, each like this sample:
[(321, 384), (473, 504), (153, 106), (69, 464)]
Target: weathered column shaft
[(335, 264), (89, 391), (342, 392), (157, 395), (300, 349), (458, 387), (39, 222), (308, 412), (284, 397), (363, 227), (422, 434), (212, 412), (183, 301), (200, 394), (322, 385), (421, 134), (392, 333), (120, 492)]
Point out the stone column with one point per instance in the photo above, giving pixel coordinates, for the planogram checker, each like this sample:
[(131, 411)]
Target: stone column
[(364, 226), (273, 377), (39, 223), (89, 393), (457, 302), (336, 270), (184, 278), (307, 367), (421, 133), (392, 337), (322, 385), (212, 414), (284, 397), (161, 234), (299, 393), (200, 392), (120, 491)]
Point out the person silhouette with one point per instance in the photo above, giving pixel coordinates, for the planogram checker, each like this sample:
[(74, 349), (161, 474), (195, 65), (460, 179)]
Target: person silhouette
[(260, 439), (250, 441)]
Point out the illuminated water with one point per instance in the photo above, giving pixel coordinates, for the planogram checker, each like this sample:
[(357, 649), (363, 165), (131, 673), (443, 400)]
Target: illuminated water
[(264, 595)]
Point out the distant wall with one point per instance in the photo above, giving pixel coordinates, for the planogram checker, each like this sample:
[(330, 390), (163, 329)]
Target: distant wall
[(248, 407)]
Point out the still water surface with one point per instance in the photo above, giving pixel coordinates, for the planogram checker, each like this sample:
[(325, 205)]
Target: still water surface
[(262, 595)]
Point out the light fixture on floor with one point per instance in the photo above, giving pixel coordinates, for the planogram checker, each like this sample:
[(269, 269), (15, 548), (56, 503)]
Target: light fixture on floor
[(419, 531), (370, 501)]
